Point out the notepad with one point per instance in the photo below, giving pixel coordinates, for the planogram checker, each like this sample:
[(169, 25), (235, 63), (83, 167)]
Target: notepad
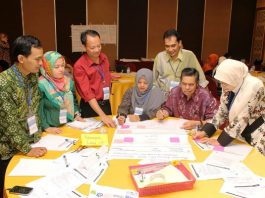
[(94, 139)]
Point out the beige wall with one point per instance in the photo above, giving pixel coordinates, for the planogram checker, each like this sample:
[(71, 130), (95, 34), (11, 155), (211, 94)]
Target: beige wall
[(38, 18), (104, 12), (216, 27), (162, 16)]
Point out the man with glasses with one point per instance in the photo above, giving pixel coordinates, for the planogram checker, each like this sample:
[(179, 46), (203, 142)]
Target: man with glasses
[(168, 64), (189, 101)]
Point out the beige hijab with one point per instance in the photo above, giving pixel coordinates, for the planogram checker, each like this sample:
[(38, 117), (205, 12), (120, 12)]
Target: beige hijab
[(235, 73)]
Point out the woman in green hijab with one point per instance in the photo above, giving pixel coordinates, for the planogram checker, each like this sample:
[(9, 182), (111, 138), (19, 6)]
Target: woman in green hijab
[(58, 102)]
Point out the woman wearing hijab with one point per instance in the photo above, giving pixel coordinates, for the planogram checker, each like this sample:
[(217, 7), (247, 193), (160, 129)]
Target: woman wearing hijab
[(142, 101), (242, 104), (210, 64), (58, 103)]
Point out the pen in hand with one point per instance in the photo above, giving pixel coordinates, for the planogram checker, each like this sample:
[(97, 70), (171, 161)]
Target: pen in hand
[(162, 114)]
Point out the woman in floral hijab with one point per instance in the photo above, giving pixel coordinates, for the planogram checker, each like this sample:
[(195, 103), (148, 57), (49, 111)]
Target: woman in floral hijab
[(58, 102)]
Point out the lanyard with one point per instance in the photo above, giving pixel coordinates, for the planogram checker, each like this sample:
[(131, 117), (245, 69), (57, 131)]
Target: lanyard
[(234, 97), (22, 84), (101, 72), (175, 72), (57, 91)]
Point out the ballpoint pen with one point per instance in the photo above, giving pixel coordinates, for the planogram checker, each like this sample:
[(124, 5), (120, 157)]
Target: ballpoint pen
[(65, 161), (243, 186)]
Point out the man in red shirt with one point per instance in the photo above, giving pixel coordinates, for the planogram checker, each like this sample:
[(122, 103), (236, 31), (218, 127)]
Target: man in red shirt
[(92, 79)]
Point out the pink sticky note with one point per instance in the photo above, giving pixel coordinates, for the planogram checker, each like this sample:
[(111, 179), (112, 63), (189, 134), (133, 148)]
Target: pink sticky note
[(128, 139), (218, 148), (174, 139), (124, 126)]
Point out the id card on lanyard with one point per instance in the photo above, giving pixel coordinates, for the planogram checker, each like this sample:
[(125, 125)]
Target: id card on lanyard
[(63, 116), (63, 111), (138, 111), (106, 93), (173, 84), (106, 90), (32, 124), (31, 120)]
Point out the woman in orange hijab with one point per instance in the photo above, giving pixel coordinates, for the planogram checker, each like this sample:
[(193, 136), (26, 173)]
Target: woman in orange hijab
[(210, 64)]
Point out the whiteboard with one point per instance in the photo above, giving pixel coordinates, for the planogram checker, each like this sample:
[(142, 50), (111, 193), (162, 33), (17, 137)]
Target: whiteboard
[(107, 34)]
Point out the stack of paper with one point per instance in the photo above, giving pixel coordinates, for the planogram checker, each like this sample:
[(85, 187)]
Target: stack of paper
[(89, 125)]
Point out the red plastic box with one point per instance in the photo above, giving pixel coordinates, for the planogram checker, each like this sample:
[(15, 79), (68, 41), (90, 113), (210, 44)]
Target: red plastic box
[(163, 188)]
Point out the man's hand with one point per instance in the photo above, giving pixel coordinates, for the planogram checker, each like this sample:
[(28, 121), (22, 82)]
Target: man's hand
[(108, 121), (37, 152), (161, 114), (191, 124)]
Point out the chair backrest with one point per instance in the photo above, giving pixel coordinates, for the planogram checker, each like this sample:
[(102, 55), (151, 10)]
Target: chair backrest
[(212, 86)]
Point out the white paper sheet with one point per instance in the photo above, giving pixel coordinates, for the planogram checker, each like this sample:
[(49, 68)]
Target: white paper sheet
[(89, 125), (157, 144), (202, 171), (247, 187), (172, 124), (34, 167), (55, 142), (97, 191)]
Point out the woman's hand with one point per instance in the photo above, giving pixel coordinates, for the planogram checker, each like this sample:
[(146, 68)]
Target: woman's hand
[(198, 135), (121, 120), (53, 130), (210, 141), (79, 118), (134, 118)]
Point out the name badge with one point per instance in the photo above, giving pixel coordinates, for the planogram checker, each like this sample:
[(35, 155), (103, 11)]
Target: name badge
[(106, 93), (32, 124), (63, 116), (138, 111), (173, 84)]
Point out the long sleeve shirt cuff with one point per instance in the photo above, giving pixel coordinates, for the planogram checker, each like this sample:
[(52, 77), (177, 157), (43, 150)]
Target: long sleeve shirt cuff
[(209, 129), (224, 139), (144, 117)]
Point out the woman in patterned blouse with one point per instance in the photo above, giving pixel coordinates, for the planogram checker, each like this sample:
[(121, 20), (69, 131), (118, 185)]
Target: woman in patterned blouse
[(242, 104)]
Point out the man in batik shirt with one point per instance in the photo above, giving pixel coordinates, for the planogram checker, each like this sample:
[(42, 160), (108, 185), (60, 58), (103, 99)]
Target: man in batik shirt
[(189, 101), (19, 102)]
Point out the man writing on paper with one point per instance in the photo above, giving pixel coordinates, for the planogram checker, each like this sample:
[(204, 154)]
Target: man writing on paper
[(189, 101), (19, 103), (168, 64), (92, 79)]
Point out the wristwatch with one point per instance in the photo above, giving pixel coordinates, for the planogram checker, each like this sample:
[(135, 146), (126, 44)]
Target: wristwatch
[(77, 114)]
